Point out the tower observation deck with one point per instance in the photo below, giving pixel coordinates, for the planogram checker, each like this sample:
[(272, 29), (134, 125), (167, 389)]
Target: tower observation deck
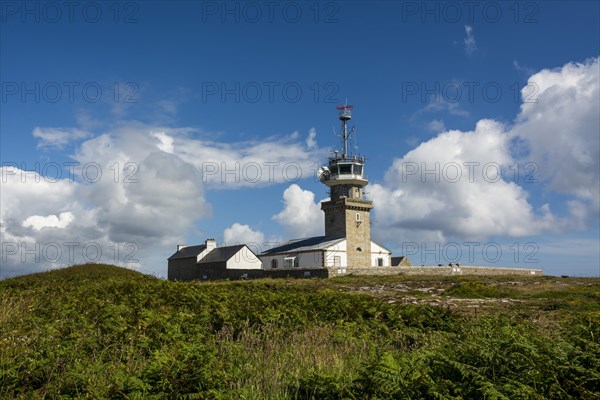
[(345, 173)]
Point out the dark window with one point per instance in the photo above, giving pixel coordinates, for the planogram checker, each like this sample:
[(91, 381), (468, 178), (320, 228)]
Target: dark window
[(346, 190), (380, 262), (274, 263), (345, 169), (358, 249), (358, 169)]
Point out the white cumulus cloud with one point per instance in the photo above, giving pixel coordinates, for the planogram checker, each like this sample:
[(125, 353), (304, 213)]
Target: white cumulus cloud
[(300, 216), (560, 125), (557, 130), (243, 234), (38, 222)]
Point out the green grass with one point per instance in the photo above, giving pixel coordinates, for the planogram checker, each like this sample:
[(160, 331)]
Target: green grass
[(99, 331)]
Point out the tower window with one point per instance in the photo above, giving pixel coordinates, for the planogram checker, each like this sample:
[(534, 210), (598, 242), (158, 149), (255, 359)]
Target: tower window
[(358, 249), (346, 191), (345, 169), (357, 216)]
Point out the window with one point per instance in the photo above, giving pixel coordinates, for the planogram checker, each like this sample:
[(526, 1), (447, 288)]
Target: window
[(346, 190), (357, 169), (357, 216), (380, 262), (358, 249), (345, 169), (274, 263), (291, 262), (337, 261)]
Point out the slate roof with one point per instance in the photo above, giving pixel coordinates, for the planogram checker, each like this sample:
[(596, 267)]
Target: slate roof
[(311, 243), (221, 254), (397, 260), (188, 252), (217, 255)]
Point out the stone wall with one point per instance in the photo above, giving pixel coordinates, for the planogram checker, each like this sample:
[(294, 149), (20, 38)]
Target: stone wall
[(206, 272), (187, 270), (441, 271)]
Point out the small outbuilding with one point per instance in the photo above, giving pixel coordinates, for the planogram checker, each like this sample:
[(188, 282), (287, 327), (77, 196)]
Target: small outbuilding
[(208, 261)]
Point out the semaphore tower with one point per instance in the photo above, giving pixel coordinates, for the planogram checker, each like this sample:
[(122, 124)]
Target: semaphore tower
[(347, 213)]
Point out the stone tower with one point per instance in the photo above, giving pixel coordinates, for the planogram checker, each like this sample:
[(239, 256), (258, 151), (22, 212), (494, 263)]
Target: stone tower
[(347, 213)]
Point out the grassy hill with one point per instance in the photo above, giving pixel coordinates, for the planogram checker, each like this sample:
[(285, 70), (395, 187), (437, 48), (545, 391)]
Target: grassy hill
[(99, 331)]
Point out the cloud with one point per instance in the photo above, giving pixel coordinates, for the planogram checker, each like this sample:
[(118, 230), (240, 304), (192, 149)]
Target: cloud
[(243, 234), (166, 142), (558, 122), (251, 163), (441, 104), (469, 41), (136, 189), (449, 187), (560, 135), (58, 137), (300, 216), (311, 141), (38, 222), (436, 125), (520, 68)]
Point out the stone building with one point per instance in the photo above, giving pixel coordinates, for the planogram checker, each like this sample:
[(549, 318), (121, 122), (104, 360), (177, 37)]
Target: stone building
[(208, 261)]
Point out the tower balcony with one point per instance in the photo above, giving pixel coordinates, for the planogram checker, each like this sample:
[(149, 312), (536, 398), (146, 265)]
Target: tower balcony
[(346, 179), (344, 171)]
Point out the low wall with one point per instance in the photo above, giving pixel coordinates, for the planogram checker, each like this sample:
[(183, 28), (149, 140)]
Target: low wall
[(202, 272), (442, 271)]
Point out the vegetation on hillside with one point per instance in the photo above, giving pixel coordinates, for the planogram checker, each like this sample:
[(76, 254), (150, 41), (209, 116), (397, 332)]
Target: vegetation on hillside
[(99, 331)]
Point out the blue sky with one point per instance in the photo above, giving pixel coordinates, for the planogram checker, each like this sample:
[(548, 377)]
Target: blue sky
[(165, 92)]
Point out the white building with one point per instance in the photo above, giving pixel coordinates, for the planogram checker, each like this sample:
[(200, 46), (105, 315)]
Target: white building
[(319, 252)]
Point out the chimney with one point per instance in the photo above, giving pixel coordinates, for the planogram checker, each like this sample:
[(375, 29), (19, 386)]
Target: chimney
[(210, 244), (180, 246)]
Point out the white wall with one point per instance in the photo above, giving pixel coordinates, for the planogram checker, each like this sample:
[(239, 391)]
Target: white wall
[(244, 259), (309, 259), (330, 254), (380, 252)]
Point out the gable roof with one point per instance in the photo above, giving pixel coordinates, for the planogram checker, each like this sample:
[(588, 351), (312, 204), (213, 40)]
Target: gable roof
[(311, 243), (221, 254), (188, 252), (383, 247)]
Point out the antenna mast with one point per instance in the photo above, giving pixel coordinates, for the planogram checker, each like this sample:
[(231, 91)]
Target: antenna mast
[(345, 116)]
